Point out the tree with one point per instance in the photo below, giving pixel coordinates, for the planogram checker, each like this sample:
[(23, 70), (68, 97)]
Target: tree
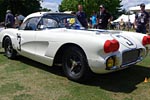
[(68, 5), (45, 9), (91, 5), (24, 7)]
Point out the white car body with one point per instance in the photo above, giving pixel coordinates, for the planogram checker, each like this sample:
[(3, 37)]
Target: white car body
[(43, 44)]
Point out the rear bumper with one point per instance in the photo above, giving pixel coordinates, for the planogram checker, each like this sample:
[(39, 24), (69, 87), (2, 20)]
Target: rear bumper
[(99, 66), (122, 60)]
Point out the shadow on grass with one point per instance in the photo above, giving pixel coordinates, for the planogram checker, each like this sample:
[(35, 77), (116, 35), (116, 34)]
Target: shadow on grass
[(52, 69), (120, 81), (1, 52)]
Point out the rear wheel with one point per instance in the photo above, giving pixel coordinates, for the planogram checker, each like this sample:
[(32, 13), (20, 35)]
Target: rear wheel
[(9, 51), (75, 64)]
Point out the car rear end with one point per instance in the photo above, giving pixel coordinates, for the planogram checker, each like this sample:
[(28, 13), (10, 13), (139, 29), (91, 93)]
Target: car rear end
[(131, 50)]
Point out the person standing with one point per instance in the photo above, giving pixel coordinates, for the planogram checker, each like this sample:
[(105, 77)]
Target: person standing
[(122, 24), (103, 17), (20, 18), (129, 25), (9, 19), (82, 17), (93, 20), (141, 19), (16, 25)]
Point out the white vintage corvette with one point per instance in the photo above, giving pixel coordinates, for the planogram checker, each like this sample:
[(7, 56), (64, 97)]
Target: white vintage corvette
[(59, 38)]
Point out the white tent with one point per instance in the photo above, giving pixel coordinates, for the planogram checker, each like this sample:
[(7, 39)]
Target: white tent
[(137, 8), (68, 12), (126, 18)]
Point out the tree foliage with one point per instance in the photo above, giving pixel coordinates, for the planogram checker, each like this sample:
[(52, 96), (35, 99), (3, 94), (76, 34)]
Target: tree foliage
[(24, 7), (45, 9), (91, 5)]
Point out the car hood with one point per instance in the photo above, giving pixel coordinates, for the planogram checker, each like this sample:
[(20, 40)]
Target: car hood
[(122, 36)]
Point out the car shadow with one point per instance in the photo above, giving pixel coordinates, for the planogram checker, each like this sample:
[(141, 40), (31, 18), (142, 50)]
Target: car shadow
[(52, 69), (120, 81), (1, 52)]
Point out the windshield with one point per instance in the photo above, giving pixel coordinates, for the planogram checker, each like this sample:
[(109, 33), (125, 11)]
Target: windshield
[(60, 21)]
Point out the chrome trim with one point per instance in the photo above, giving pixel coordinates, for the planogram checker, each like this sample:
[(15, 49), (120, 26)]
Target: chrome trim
[(130, 50), (127, 51), (140, 59), (113, 68), (109, 57), (124, 66)]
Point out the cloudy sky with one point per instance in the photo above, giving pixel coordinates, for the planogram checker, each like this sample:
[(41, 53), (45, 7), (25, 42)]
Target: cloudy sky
[(53, 4)]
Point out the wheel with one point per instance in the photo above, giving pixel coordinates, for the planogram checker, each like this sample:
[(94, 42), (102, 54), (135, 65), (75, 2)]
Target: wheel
[(9, 51), (75, 64)]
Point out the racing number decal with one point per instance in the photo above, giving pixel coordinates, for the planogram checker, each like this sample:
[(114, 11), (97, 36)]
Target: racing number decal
[(127, 40), (19, 42)]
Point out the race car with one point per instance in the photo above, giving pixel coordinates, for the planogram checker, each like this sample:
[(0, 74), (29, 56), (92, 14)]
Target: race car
[(59, 39)]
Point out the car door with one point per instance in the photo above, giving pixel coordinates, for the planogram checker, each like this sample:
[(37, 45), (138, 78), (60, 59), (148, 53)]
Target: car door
[(44, 35), (26, 37)]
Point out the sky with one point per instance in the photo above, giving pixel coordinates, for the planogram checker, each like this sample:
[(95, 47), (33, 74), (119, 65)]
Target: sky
[(53, 4)]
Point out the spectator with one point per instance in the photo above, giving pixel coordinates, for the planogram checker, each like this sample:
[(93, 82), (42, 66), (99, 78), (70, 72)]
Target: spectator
[(103, 17), (21, 18), (93, 20), (122, 24), (141, 19), (129, 25), (16, 25), (9, 19), (81, 15)]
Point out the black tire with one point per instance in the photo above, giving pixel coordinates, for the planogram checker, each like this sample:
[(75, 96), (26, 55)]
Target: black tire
[(9, 51), (75, 64)]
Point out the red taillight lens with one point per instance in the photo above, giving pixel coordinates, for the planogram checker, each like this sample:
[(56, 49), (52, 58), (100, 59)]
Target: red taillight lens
[(146, 40), (115, 45), (107, 46), (111, 46)]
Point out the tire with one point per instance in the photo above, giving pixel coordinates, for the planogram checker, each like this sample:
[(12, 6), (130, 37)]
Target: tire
[(9, 51), (75, 64)]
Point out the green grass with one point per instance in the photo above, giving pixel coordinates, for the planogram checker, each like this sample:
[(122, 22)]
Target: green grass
[(24, 79)]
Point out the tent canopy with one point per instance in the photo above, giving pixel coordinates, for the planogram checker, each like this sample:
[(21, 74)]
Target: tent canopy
[(126, 18), (137, 8)]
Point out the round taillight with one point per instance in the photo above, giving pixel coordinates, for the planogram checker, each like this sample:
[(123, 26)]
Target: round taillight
[(107, 46), (146, 40), (115, 45), (111, 46)]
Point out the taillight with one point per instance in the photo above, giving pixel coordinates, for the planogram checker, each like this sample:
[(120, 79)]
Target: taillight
[(146, 40), (111, 46)]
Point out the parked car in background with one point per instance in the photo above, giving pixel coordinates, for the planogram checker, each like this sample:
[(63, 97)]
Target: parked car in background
[(59, 38)]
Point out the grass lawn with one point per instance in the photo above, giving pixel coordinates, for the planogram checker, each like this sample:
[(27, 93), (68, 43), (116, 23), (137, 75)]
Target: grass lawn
[(24, 79)]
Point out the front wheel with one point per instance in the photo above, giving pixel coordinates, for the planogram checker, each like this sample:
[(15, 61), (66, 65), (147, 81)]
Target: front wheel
[(9, 51), (75, 64)]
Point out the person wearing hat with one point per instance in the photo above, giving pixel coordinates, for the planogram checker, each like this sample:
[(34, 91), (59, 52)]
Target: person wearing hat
[(103, 17), (9, 19), (141, 20)]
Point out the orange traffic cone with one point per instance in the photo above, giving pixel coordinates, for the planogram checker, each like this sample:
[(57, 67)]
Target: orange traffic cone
[(146, 80)]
